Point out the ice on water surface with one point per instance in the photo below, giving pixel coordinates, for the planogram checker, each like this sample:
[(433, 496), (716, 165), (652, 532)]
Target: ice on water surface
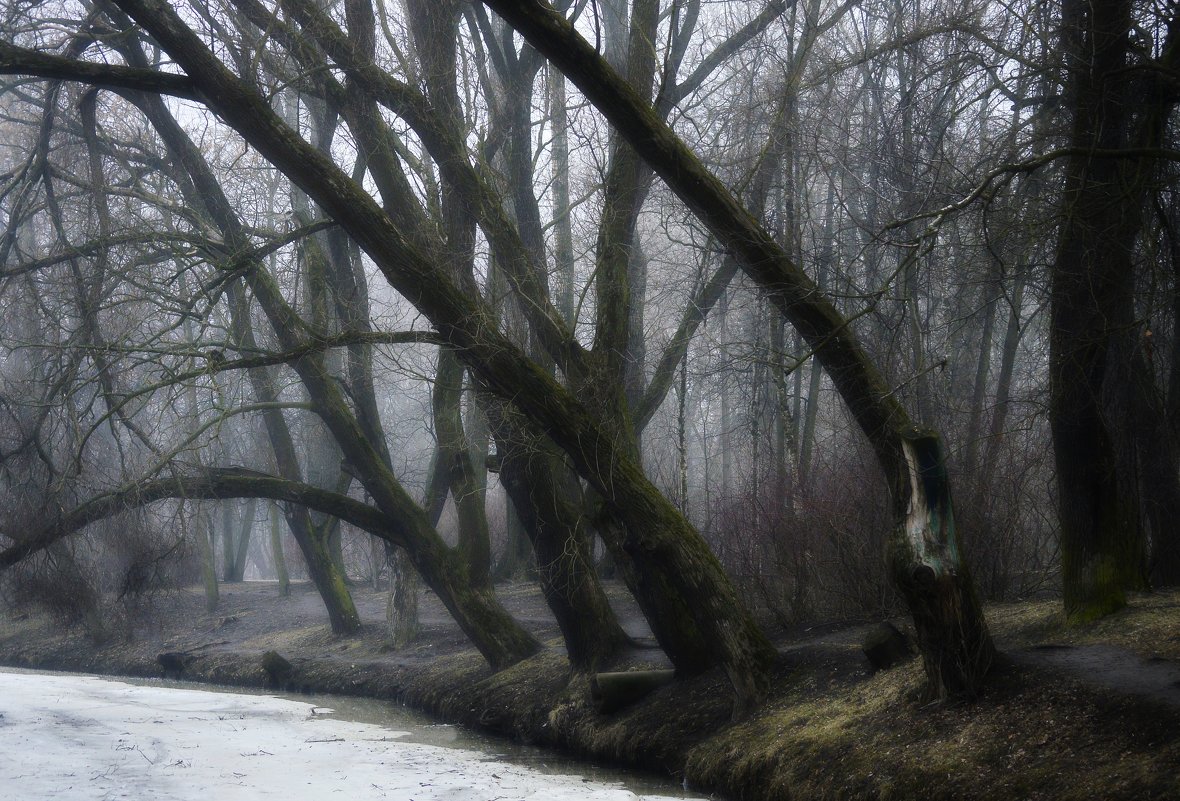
[(78, 737)]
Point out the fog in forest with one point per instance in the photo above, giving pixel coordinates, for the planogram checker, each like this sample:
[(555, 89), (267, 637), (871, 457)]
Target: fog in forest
[(756, 315)]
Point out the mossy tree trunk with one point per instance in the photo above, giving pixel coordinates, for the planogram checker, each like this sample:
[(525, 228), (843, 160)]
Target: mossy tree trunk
[(551, 506), (609, 387), (401, 608), (950, 625), (1091, 280)]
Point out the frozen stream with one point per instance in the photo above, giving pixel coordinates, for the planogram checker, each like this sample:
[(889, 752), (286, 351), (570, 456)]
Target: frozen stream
[(81, 737)]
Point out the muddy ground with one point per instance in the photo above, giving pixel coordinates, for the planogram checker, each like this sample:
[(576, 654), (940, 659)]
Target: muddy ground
[(1086, 713)]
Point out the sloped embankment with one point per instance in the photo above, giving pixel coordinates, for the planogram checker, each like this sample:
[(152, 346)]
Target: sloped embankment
[(831, 730)]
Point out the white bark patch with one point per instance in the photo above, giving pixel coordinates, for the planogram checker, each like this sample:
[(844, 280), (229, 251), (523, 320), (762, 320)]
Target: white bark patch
[(924, 542)]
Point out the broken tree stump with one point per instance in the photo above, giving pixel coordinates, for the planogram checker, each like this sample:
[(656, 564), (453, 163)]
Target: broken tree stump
[(614, 691), (173, 663), (278, 670), (885, 646)]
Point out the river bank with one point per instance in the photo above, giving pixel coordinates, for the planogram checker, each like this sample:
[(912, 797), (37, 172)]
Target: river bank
[(832, 729)]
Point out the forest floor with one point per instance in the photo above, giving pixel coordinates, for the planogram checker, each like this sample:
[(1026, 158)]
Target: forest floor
[(1068, 713)]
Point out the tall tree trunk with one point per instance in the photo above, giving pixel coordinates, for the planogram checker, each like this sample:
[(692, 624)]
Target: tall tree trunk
[(456, 458), (1092, 338), (815, 377), (1012, 334), (992, 292), (245, 531), (434, 26), (276, 551), (199, 530), (549, 500), (199, 525), (517, 561), (1159, 471), (727, 423), (228, 551), (1165, 538), (563, 251)]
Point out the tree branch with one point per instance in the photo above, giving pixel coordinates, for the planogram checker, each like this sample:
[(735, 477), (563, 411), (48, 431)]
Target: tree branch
[(723, 51), (212, 484), (23, 61)]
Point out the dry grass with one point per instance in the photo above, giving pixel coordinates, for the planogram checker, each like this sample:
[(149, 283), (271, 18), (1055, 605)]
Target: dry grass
[(1034, 733), (1148, 626), (1028, 738)]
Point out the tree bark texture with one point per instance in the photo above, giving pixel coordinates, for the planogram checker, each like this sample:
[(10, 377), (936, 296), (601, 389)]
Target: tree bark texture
[(550, 503)]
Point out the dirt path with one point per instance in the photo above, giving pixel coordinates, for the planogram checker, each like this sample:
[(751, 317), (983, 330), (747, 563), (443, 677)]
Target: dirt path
[(1103, 667), (1109, 667)]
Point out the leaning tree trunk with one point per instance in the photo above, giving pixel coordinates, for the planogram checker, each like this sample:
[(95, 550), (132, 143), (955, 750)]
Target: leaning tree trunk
[(551, 506), (924, 553)]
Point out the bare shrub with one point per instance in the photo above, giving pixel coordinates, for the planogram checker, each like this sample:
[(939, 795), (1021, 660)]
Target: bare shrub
[(105, 579), (803, 554), (61, 583), (1007, 522)]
